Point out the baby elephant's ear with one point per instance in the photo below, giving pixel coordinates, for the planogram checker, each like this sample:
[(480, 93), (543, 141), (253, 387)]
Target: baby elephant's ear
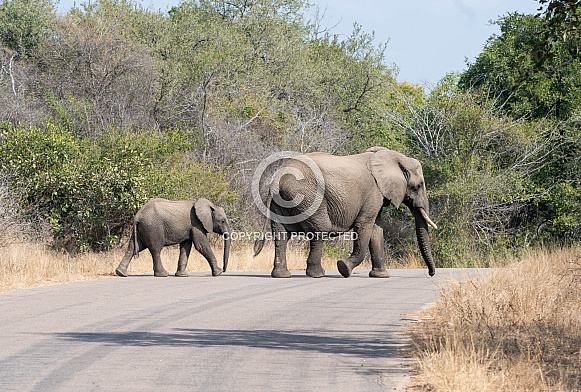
[(387, 169), (204, 209)]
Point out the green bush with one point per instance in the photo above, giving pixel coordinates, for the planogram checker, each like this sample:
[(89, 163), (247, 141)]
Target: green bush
[(558, 214), (24, 24), (89, 189)]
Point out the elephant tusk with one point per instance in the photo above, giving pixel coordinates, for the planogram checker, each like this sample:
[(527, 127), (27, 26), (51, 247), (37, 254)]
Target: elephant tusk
[(427, 218)]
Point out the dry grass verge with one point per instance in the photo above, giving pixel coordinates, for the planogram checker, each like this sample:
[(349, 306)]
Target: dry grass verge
[(29, 265), (518, 329)]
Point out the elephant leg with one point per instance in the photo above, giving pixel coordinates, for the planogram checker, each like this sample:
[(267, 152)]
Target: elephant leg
[(377, 254), (280, 269), (185, 248), (121, 269), (360, 247), (158, 268), (314, 267), (202, 245)]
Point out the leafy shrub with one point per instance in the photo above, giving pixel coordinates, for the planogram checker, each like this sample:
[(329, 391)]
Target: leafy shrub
[(89, 189), (480, 168), (25, 23), (16, 223)]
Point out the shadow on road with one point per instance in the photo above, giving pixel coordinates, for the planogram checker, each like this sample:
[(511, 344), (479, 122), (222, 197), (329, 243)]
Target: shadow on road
[(365, 344)]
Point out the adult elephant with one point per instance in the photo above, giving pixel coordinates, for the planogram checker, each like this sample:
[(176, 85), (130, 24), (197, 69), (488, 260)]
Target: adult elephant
[(162, 222), (320, 195)]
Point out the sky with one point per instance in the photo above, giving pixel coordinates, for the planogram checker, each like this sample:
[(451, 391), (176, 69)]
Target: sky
[(426, 39)]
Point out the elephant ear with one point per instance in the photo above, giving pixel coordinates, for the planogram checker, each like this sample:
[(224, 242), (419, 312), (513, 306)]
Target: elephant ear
[(204, 208), (390, 174)]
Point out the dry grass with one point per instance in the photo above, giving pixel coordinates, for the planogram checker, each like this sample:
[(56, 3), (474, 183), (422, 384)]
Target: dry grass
[(519, 329), (29, 265)]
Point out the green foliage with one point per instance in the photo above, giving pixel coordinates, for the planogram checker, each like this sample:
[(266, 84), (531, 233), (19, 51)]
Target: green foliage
[(556, 215), (533, 70), (527, 75), (24, 24), (560, 209), (479, 167), (89, 189), (563, 20)]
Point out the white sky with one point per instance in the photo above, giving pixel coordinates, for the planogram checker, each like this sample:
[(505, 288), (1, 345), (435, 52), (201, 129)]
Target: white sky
[(425, 39)]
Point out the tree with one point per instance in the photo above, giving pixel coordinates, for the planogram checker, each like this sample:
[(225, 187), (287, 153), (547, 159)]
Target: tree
[(25, 24), (93, 74), (533, 70), (563, 23), (479, 165), (527, 76)]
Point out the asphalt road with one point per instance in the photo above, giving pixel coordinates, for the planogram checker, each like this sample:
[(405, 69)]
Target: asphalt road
[(236, 332)]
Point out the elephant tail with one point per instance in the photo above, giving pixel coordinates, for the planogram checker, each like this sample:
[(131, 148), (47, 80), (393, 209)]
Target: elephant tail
[(259, 243), (135, 241)]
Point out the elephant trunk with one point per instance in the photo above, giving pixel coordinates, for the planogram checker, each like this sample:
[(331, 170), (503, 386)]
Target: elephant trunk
[(423, 238), (227, 243)]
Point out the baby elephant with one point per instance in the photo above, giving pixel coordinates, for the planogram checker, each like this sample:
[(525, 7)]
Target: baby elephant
[(163, 222)]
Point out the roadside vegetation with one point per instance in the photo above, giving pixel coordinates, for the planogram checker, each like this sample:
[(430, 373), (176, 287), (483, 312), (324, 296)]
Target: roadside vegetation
[(111, 104), (27, 265), (517, 329)]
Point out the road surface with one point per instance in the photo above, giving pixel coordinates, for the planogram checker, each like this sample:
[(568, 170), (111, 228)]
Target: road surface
[(236, 332)]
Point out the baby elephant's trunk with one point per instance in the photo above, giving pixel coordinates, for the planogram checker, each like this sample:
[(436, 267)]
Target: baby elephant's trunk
[(227, 243)]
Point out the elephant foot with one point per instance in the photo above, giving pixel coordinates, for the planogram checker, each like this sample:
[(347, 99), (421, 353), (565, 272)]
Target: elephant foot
[(280, 273), (217, 272), (181, 274), (378, 273), (160, 274), (315, 272), (121, 272), (344, 268)]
